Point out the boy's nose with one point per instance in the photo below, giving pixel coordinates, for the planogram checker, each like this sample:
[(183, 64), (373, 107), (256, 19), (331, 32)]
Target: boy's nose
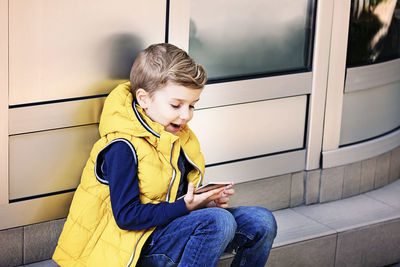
[(185, 114)]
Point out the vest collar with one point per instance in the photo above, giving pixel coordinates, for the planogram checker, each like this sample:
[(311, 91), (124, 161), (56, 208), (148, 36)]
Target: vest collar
[(157, 129)]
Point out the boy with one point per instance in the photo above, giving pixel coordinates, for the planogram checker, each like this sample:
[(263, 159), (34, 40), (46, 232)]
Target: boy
[(126, 210)]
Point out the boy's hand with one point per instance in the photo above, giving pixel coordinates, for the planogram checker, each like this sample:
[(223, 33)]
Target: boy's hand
[(198, 201), (223, 201)]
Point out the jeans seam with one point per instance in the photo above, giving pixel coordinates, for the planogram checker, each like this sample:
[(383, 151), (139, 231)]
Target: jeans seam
[(197, 252), (159, 254), (161, 237), (243, 261), (250, 237)]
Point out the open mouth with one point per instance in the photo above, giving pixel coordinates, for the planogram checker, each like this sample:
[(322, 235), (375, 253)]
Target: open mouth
[(176, 126)]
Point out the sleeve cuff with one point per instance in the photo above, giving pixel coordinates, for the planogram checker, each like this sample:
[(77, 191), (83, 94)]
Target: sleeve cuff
[(177, 209)]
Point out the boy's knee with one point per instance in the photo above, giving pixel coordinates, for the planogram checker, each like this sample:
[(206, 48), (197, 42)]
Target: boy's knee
[(222, 221), (265, 220)]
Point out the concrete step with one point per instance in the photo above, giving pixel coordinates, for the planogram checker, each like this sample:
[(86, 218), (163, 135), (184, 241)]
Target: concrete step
[(359, 231)]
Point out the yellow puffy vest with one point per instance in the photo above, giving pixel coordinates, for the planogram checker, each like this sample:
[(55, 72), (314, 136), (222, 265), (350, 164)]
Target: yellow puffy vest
[(90, 236)]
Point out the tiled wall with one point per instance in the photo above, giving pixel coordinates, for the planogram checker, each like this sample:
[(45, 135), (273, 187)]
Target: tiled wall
[(30, 243), (352, 179), (274, 193)]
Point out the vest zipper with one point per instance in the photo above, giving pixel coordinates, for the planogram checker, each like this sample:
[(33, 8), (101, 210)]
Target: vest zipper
[(167, 199), (173, 175), (191, 162), (134, 250)]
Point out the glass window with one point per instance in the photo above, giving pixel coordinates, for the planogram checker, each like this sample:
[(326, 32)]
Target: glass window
[(374, 32), (233, 38)]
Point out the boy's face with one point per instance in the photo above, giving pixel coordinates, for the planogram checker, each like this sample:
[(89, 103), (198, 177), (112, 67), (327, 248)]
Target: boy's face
[(171, 106)]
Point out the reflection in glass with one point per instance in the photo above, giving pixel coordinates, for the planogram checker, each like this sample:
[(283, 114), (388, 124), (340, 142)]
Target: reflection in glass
[(232, 38), (374, 33)]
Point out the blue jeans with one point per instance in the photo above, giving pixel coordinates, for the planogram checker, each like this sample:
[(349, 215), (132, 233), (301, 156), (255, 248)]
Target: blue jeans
[(200, 238)]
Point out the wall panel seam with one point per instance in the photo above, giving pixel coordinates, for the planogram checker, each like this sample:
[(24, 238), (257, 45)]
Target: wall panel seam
[(4, 63)]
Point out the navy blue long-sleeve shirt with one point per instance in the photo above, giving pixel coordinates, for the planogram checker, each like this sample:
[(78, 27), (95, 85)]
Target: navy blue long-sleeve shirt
[(118, 168)]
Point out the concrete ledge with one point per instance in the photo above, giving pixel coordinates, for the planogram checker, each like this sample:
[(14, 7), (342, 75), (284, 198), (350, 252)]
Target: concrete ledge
[(359, 231)]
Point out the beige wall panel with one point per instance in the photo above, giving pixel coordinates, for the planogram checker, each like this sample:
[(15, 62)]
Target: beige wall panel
[(252, 129), (322, 39), (370, 113), (179, 21), (336, 75), (372, 75), (49, 161), (3, 101), (244, 91), (258, 168), (35, 210), (56, 115), (62, 49), (361, 151)]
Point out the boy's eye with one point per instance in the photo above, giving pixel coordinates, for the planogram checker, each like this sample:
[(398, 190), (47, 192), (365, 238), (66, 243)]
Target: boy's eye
[(174, 105), (191, 107)]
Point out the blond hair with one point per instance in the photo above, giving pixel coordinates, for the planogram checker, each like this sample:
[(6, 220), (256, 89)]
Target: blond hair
[(160, 64)]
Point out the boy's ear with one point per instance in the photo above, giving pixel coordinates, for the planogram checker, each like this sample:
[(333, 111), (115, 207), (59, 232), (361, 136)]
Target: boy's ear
[(142, 97)]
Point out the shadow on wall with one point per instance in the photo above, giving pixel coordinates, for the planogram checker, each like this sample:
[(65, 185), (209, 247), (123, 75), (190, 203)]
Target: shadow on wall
[(123, 50)]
